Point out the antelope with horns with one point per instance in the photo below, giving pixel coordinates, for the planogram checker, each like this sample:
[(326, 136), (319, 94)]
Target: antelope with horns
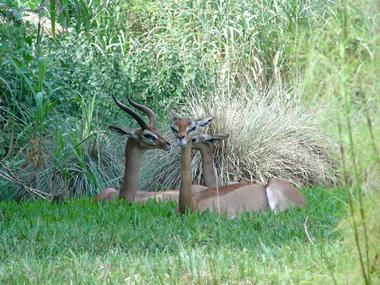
[(232, 199), (138, 142), (202, 144)]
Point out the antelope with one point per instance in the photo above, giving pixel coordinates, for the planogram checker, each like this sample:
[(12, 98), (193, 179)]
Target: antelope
[(136, 146), (139, 141), (231, 199), (202, 144)]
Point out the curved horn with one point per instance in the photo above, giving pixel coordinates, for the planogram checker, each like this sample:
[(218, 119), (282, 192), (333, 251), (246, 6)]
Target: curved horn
[(146, 110), (135, 116)]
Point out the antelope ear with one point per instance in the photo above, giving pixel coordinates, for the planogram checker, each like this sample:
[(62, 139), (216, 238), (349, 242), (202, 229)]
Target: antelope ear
[(130, 133), (217, 138), (204, 122), (172, 116), (209, 138), (197, 139)]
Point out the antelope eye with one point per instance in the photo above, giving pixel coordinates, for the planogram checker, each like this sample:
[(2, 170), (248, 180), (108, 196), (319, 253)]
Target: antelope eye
[(174, 130), (192, 129), (150, 137)]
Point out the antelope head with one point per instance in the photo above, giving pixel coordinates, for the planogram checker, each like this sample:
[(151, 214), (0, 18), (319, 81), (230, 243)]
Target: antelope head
[(147, 136), (184, 127)]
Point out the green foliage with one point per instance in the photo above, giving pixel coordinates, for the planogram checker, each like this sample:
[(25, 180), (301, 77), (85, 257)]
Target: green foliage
[(86, 242), (371, 204), (53, 119), (55, 105), (159, 53)]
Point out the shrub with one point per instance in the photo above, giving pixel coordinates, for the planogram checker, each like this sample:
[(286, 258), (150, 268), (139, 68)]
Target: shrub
[(270, 135), (63, 165)]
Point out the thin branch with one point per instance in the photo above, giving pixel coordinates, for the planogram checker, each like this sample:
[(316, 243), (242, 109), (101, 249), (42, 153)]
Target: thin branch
[(347, 108), (370, 127), (311, 240)]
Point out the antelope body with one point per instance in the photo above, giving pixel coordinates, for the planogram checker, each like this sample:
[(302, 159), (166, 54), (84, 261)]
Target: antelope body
[(134, 151), (232, 199), (107, 194), (139, 141), (209, 175)]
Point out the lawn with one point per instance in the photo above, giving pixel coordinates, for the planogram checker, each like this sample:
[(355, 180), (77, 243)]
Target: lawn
[(82, 242)]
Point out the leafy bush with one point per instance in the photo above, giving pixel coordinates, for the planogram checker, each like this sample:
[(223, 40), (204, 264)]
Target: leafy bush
[(48, 131)]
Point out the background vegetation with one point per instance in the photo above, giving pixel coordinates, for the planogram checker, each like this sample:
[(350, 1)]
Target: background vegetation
[(302, 72), (293, 64)]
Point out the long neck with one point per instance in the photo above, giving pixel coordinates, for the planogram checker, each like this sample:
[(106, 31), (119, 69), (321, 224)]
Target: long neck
[(133, 159), (209, 171), (185, 197)]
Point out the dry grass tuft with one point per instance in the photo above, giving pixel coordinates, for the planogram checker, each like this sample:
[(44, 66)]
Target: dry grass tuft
[(270, 135)]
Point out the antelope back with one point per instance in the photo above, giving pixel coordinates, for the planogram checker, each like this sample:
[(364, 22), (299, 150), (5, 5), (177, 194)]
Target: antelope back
[(107, 194), (168, 195), (234, 199)]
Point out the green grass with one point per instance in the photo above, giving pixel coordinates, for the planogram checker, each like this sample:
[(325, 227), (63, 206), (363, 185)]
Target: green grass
[(57, 106), (84, 242)]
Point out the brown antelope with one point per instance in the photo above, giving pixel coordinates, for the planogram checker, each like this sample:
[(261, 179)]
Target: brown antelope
[(139, 141), (232, 199), (202, 143), (136, 146)]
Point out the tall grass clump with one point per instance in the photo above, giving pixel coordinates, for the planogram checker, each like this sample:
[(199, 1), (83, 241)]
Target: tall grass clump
[(372, 211), (69, 167), (341, 67), (269, 135), (354, 54)]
